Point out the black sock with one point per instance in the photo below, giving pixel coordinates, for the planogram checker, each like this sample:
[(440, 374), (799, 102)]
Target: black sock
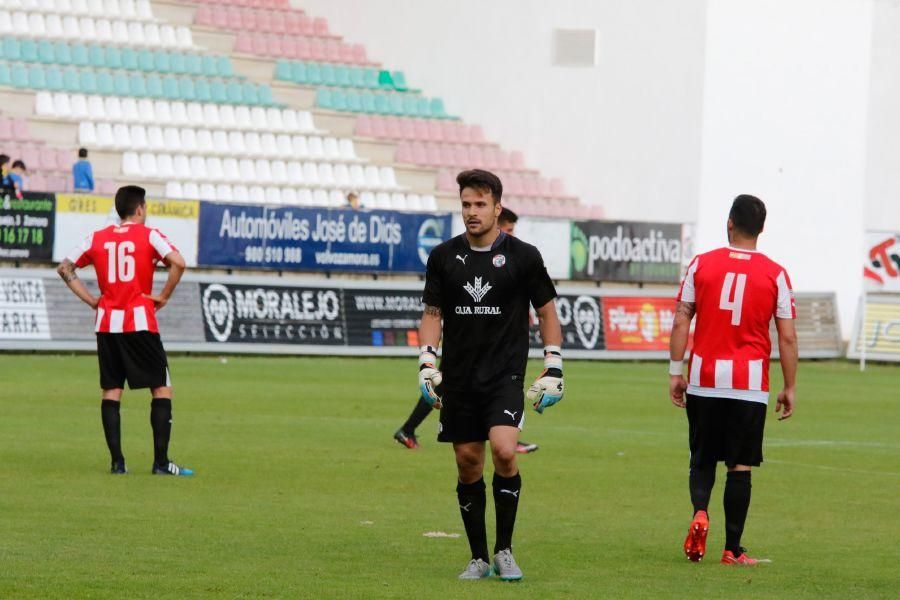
[(701, 481), (506, 501), (161, 422), (737, 502), (472, 501), (112, 429), (419, 413)]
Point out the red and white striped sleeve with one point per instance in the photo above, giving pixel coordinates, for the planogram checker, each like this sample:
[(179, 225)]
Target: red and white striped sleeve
[(161, 244), (785, 307), (687, 292), (81, 254)]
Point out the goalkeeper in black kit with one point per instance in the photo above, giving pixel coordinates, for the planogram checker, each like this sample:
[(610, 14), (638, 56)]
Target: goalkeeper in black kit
[(478, 288)]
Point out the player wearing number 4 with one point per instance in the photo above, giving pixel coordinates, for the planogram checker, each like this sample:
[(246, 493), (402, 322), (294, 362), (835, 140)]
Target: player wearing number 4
[(128, 344), (481, 283), (734, 293)]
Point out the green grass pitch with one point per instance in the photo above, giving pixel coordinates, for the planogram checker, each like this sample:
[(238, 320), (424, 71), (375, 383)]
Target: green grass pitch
[(302, 493)]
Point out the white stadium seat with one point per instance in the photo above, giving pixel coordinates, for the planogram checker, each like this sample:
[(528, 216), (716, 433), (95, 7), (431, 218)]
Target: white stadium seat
[(87, 134), (320, 198), (386, 177), (382, 201), (208, 192), (304, 197), (192, 190), (174, 190), (43, 104)]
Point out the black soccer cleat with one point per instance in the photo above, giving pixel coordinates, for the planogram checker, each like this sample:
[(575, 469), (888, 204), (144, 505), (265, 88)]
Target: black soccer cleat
[(170, 468), (406, 439), (118, 468)]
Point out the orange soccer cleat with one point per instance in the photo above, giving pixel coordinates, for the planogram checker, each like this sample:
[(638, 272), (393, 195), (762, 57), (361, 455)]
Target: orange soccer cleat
[(742, 560), (695, 543)]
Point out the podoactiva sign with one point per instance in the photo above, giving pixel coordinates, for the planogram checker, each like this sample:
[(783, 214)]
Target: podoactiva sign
[(626, 251)]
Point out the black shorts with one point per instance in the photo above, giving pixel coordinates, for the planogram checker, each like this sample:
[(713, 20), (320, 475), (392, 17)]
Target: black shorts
[(138, 357), (469, 416), (725, 429)]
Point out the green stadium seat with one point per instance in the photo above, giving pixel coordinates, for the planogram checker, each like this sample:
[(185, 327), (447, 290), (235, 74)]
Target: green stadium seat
[(224, 67), (46, 52), (201, 90), (176, 63), (437, 109), (218, 91), (129, 59), (5, 75), (283, 70), (12, 49), (138, 85), (313, 74), (97, 56), (410, 106), (354, 101), (88, 81), (357, 77), (80, 55), (163, 63), (170, 88), (29, 51), (339, 100), (193, 64), (37, 78), (54, 79), (370, 78), (210, 66), (323, 98), (71, 81), (251, 93), (146, 60), (367, 99), (265, 95), (63, 53), (399, 81), (113, 57), (341, 76), (19, 76), (395, 101), (385, 82), (328, 75), (424, 107), (154, 86), (120, 84), (382, 106), (105, 83), (235, 92), (186, 89), (298, 73)]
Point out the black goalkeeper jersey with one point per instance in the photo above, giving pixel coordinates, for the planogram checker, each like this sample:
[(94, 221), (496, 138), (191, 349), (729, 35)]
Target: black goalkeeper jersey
[(484, 298)]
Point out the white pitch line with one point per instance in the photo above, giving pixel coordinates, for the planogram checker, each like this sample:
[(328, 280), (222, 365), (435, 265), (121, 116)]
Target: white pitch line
[(835, 469), (789, 443)]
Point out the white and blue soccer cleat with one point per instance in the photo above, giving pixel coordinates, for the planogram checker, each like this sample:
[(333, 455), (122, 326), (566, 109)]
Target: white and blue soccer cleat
[(476, 569), (505, 566), (171, 468)]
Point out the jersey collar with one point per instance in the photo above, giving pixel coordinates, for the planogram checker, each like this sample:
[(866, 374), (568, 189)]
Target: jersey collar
[(500, 239)]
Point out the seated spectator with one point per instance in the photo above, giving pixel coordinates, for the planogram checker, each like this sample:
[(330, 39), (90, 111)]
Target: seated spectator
[(353, 200), (18, 174), (83, 173), (7, 185)]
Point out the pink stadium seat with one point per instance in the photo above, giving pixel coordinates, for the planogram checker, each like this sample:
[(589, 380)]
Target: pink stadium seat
[(203, 16), (476, 157), (221, 18), (289, 47), (557, 190), (364, 126), (65, 159), (476, 134), (58, 183), (596, 211), (432, 155), (461, 157), (449, 132), (543, 188), (5, 128), (379, 127), (317, 49), (279, 23), (264, 20), (446, 183), (275, 46), (529, 187), (407, 129), (404, 153), (435, 133), (421, 128), (37, 183), (235, 20), (516, 160), (304, 52), (20, 130), (30, 156), (320, 27), (48, 159), (393, 128), (419, 153), (260, 44), (346, 53), (489, 158), (359, 54), (305, 25), (292, 23), (503, 160), (248, 20), (446, 156), (332, 50), (244, 43)]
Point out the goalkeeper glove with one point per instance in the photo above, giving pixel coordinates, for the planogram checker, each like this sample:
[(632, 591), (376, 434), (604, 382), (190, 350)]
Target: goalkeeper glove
[(547, 390), (429, 377)]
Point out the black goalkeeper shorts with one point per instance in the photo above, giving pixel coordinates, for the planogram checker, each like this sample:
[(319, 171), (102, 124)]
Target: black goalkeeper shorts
[(137, 357), (469, 416), (725, 430)]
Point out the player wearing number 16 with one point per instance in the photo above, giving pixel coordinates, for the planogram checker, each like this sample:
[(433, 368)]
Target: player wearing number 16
[(124, 257), (735, 292)]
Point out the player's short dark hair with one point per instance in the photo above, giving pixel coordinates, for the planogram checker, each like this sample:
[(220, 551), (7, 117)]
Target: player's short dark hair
[(19, 165), (128, 199), (507, 216), (748, 214), (483, 181), (82, 153)]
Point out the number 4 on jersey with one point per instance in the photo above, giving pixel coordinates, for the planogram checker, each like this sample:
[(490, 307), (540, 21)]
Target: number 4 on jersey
[(738, 282)]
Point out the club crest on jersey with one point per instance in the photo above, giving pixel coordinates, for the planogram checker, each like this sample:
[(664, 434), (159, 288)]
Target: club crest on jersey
[(477, 291), (499, 260)]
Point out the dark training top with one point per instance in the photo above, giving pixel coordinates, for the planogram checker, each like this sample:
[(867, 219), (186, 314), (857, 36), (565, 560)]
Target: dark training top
[(484, 299)]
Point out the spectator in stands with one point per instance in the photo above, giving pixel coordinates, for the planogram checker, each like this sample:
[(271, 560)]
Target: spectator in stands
[(83, 173), (18, 174), (7, 185), (353, 200)]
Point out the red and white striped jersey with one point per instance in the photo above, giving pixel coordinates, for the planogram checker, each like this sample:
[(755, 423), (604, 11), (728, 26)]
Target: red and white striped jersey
[(124, 257), (736, 294)]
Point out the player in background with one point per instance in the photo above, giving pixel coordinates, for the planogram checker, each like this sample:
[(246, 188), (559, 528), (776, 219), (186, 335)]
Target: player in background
[(478, 286), (128, 343), (406, 435), (734, 292)]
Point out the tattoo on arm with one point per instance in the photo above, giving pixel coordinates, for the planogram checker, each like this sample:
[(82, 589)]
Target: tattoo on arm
[(432, 311), (687, 309), (67, 271)]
